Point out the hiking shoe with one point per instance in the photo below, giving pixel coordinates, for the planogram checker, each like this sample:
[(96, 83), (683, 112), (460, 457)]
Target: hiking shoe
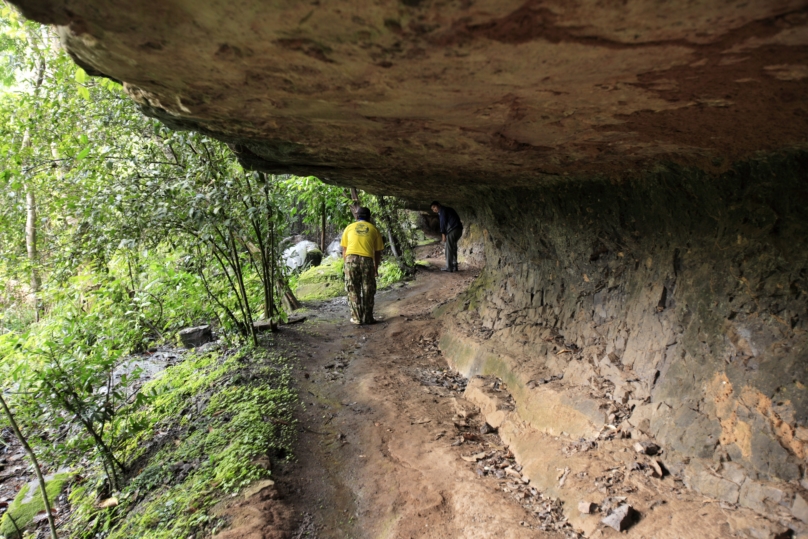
[(354, 321), (447, 269)]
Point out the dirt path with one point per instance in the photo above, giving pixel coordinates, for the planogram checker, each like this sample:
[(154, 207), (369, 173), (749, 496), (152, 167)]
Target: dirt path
[(379, 453)]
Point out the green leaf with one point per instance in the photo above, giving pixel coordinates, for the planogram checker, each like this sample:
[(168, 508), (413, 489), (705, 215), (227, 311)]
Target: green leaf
[(81, 75), (83, 153), (84, 92)]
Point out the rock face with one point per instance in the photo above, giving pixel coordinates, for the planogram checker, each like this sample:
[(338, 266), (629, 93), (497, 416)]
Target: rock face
[(631, 175), (673, 307), (423, 98), (196, 336)]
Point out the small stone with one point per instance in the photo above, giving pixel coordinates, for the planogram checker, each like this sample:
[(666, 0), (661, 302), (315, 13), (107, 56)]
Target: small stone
[(486, 429), (257, 487), (464, 409), (646, 448), (511, 471), (586, 508), (800, 508), (657, 468), (473, 458), (619, 519)]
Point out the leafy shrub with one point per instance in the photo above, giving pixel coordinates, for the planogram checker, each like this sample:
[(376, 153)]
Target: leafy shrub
[(389, 273)]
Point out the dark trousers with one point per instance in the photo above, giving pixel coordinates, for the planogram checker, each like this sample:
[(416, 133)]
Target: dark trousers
[(452, 237)]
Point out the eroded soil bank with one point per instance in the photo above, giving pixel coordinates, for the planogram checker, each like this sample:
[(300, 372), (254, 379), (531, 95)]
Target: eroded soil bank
[(391, 446)]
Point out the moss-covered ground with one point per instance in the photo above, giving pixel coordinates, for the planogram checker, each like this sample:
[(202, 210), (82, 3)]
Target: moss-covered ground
[(218, 421), (27, 504), (325, 281)]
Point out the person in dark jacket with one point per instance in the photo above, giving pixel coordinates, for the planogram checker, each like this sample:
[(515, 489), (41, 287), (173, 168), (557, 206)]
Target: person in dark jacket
[(451, 229)]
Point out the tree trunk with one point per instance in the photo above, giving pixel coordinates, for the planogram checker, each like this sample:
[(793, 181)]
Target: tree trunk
[(356, 203), (35, 463), (30, 203), (322, 228), (30, 244), (290, 302), (388, 224)]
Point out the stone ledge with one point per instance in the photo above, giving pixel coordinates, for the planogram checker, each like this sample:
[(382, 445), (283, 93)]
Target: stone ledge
[(552, 415), (550, 408)]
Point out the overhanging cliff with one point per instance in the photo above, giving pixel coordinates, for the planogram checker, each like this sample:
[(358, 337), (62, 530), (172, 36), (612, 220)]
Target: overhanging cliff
[(632, 174), (418, 98)]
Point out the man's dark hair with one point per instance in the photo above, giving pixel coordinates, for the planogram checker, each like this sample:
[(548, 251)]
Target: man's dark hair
[(363, 213), (435, 203)]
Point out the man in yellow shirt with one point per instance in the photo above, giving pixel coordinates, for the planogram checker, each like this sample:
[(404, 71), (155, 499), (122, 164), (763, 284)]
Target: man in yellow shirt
[(362, 247)]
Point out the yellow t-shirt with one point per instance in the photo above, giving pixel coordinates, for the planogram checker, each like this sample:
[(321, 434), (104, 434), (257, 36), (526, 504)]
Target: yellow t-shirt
[(361, 238)]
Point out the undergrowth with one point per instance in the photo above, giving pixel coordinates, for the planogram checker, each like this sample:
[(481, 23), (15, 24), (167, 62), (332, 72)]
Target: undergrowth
[(218, 421), (327, 280), (389, 272)]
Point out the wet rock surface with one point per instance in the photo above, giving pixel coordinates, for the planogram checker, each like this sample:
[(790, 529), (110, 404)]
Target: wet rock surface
[(449, 97), (667, 311)]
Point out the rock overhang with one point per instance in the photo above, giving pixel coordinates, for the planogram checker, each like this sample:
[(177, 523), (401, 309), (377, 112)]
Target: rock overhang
[(423, 98)]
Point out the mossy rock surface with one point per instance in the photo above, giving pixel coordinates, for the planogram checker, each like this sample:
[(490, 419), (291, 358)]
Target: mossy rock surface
[(318, 291), (323, 282), (28, 503)]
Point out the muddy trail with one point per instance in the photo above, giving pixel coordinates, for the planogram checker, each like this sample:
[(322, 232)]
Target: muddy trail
[(384, 449), (388, 447)]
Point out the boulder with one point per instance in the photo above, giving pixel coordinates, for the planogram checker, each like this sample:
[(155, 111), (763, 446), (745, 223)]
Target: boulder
[(334, 249), (295, 256), (196, 336), (313, 258)]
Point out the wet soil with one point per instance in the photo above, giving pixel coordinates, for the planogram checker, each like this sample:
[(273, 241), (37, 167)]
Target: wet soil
[(381, 447), (386, 450)]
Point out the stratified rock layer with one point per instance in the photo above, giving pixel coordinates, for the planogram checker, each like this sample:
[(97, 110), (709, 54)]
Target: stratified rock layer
[(672, 306)]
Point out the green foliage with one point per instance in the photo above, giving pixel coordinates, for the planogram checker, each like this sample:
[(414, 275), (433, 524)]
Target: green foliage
[(313, 197), (246, 417), (67, 369), (397, 228), (24, 513), (389, 272), (136, 232)]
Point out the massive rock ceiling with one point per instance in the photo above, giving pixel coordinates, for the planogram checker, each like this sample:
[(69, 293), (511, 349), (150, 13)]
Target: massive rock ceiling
[(422, 97)]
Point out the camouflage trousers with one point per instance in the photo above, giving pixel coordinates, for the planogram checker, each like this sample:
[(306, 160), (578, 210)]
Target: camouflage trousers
[(360, 283)]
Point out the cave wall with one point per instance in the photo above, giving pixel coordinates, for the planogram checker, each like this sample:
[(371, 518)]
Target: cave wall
[(672, 305)]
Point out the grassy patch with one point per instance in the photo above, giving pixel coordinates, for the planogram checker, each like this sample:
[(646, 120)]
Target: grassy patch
[(219, 420), (24, 513), (322, 282), (389, 273)]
